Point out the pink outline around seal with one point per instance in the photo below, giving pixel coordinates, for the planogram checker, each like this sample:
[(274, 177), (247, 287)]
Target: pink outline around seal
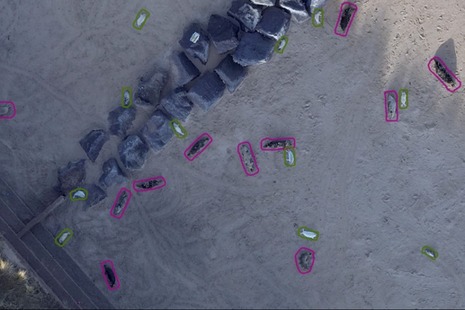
[(297, 262), (117, 283), (123, 189), (253, 157), (11, 103), (386, 106), (148, 179), (275, 139), (448, 70), (200, 151), (339, 19)]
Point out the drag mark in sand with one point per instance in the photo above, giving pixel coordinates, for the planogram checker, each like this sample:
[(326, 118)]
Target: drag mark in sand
[(198, 146), (247, 158), (304, 259), (276, 144), (149, 184), (121, 203), (345, 19), (7, 110), (441, 71), (391, 106), (109, 275)]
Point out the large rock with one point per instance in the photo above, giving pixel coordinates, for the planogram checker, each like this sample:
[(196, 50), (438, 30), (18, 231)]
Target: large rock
[(177, 104), (150, 87), (274, 23), (121, 119), (133, 152), (311, 5), (195, 42), (72, 175), (231, 73), (253, 49), (297, 9), (96, 194), (112, 174), (207, 90), (223, 33), (245, 12), (93, 142), (264, 2), (157, 131), (182, 70)]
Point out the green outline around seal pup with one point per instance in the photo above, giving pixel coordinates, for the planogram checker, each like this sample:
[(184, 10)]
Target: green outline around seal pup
[(321, 24), (401, 91), (123, 90), (174, 120), (308, 229), (292, 149), (78, 189), (436, 254), (276, 46), (65, 230), (147, 15)]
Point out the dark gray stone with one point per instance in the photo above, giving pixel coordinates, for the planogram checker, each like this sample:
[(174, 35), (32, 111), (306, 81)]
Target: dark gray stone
[(112, 174), (157, 131), (133, 152), (72, 175), (150, 87), (96, 194), (207, 90), (296, 8), (183, 70), (93, 142), (274, 23), (195, 42), (231, 73), (264, 2), (253, 49), (120, 120), (177, 104), (223, 33), (311, 5), (245, 12)]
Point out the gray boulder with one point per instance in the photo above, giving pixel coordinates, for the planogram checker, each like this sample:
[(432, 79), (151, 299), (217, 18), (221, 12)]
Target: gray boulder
[(150, 87), (195, 42), (121, 119), (112, 174), (157, 131), (264, 2), (177, 104), (133, 152), (93, 142), (223, 33), (274, 23), (231, 73), (245, 12), (71, 176), (311, 5), (253, 49), (207, 90), (182, 70), (296, 8), (96, 194)]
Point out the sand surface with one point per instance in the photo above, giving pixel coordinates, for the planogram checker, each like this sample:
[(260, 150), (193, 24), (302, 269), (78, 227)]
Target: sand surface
[(214, 238)]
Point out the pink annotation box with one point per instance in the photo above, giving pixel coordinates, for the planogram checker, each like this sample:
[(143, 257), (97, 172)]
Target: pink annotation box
[(120, 192), (12, 109), (386, 108), (256, 170), (344, 6), (110, 286), (296, 260), (439, 60), (191, 157), (268, 139), (141, 189)]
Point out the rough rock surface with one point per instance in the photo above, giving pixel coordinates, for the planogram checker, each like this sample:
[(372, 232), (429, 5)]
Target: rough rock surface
[(157, 131), (310, 5), (274, 23), (150, 87), (121, 119), (297, 9), (207, 90), (195, 42), (182, 70), (112, 174), (245, 12), (133, 152), (72, 175), (93, 142), (223, 33), (177, 104), (96, 194), (231, 73), (264, 2), (253, 49)]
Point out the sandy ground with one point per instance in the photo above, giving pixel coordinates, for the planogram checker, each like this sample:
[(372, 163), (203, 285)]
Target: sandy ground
[(376, 191)]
